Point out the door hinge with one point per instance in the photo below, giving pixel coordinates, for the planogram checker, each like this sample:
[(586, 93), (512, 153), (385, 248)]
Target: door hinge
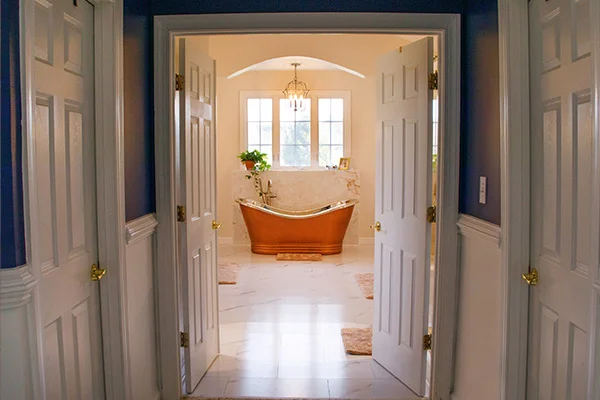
[(180, 213), (433, 81), (179, 82), (431, 214), (184, 339), (427, 341)]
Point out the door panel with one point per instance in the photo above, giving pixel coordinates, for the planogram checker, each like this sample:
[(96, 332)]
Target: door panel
[(562, 178), (66, 198), (197, 238), (402, 196)]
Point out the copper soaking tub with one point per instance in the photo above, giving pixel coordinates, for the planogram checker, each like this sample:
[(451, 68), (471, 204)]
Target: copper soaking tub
[(273, 230)]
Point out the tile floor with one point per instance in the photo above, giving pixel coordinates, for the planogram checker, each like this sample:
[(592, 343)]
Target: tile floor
[(280, 330)]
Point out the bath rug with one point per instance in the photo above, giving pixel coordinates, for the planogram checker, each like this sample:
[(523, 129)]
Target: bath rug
[(358, 341), (228, 273), (299, 257), (365, 282)]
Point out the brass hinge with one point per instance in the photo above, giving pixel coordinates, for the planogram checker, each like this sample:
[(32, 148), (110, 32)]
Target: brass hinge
[(431, 214), (180, 213), (427, 341), (179, 82), (433, 81), (184, 339)]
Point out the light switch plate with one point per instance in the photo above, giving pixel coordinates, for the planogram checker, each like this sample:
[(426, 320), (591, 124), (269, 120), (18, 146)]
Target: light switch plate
[(482, 189)]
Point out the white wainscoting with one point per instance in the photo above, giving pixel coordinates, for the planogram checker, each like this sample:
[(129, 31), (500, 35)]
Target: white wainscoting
[(479, 327), (141, 307), (20, 365)]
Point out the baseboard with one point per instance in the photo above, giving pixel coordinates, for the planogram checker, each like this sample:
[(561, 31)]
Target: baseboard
[(228, 241), (369, 240)]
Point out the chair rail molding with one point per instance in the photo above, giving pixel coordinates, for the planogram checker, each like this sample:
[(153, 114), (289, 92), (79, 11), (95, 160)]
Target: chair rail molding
[(476, 228), (140, 228), (20, 362)]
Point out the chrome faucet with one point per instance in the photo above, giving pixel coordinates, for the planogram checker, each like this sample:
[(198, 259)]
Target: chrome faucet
[(267, 196)]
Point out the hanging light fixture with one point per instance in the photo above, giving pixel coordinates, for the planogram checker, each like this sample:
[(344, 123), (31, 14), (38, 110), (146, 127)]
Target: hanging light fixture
[(296, 91)]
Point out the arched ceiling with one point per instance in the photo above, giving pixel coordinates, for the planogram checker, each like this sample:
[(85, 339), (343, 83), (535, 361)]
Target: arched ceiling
[(306, 64)]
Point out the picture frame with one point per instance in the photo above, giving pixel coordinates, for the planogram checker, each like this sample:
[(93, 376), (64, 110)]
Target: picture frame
[(344, 163)]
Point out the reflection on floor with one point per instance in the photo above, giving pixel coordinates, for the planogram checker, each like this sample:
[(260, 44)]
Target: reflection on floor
[(280, 330)]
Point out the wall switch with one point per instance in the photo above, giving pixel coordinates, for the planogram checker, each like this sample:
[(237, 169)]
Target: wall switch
[(482, 189)]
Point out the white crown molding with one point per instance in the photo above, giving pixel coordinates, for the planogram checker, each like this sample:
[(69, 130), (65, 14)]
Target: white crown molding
[(16, 287), (140, 228), (479, 229)]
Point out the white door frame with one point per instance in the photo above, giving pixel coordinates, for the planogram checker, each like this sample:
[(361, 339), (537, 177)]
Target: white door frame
[(513, 18), (445, 26), (108, 67)]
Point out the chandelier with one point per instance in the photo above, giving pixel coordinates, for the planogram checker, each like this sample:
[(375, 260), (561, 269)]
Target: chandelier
[(296, 91)]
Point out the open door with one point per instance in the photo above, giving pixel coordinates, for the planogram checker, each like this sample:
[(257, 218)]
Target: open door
[(402, 238), (196, 210)]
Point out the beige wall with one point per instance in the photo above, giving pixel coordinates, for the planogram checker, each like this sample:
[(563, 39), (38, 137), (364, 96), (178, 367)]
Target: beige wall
[(358, 52)]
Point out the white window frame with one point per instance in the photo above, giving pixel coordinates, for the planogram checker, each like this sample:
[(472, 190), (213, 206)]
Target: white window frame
[(314, 97)]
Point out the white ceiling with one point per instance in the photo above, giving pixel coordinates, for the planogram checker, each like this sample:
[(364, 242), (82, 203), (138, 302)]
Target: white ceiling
[(284, 64)]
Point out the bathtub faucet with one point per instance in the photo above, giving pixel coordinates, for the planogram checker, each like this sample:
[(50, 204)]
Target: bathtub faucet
[(267, 196)]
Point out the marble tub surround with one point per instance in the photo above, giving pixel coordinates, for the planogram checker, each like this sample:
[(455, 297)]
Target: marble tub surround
[(299, 190), (281, 330)]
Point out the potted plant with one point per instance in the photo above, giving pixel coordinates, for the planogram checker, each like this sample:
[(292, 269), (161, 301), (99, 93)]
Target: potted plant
[(251, 158)]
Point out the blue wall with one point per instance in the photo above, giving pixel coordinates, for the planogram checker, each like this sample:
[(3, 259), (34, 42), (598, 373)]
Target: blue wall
[(480, 119), (480, 116), (12, 232), (138, 117)]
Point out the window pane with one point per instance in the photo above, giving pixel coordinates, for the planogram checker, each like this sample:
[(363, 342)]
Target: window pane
[(286, 113), (287, 133), (266, 110), (254, 110), (337, 109), (298, 156), (304, 115), (253, 133), (302, 132), (325, 156), (324, 109), (337, 133), (337, 152), (324, 133), (266, 133), (268, 150)]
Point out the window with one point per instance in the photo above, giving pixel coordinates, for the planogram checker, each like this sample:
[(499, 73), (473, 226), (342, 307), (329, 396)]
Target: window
[(260, 126), (317, 136), (331, 131), (294, 135)]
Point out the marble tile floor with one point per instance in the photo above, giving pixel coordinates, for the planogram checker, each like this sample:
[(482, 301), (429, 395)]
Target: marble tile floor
[(280, 330)]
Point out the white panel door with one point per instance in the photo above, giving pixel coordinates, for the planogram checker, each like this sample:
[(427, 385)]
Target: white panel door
[(197, 184), (403, 180), (562, 178), (66, 198)]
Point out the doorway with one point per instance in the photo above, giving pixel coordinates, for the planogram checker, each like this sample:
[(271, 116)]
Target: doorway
[(158, 147)]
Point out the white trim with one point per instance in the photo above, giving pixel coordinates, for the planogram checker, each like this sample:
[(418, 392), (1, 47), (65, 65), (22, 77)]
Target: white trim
[(479, 229), (366, 241), (140, 228), (108, 39), (16, 287), (514, 161), (445, 26)]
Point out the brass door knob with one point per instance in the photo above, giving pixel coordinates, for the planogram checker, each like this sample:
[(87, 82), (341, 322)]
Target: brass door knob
[(96, 273), (216, 225), (377, 226), (531, 278)]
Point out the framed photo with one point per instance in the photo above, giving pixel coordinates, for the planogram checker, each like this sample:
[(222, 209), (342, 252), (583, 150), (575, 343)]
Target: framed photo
[(344, 163)]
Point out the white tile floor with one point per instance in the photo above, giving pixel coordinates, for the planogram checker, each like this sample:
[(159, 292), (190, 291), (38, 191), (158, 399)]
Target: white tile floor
[(280, 330)]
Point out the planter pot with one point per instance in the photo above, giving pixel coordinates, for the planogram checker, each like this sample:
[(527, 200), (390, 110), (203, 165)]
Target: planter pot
[(249, 165)]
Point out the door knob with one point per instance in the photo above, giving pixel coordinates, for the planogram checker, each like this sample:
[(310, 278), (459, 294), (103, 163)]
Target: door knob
[(216, 225), (377, 226), (531, 278), (97, 273)]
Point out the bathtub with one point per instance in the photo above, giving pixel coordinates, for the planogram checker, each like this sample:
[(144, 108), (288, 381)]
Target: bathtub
[(273, 230)]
